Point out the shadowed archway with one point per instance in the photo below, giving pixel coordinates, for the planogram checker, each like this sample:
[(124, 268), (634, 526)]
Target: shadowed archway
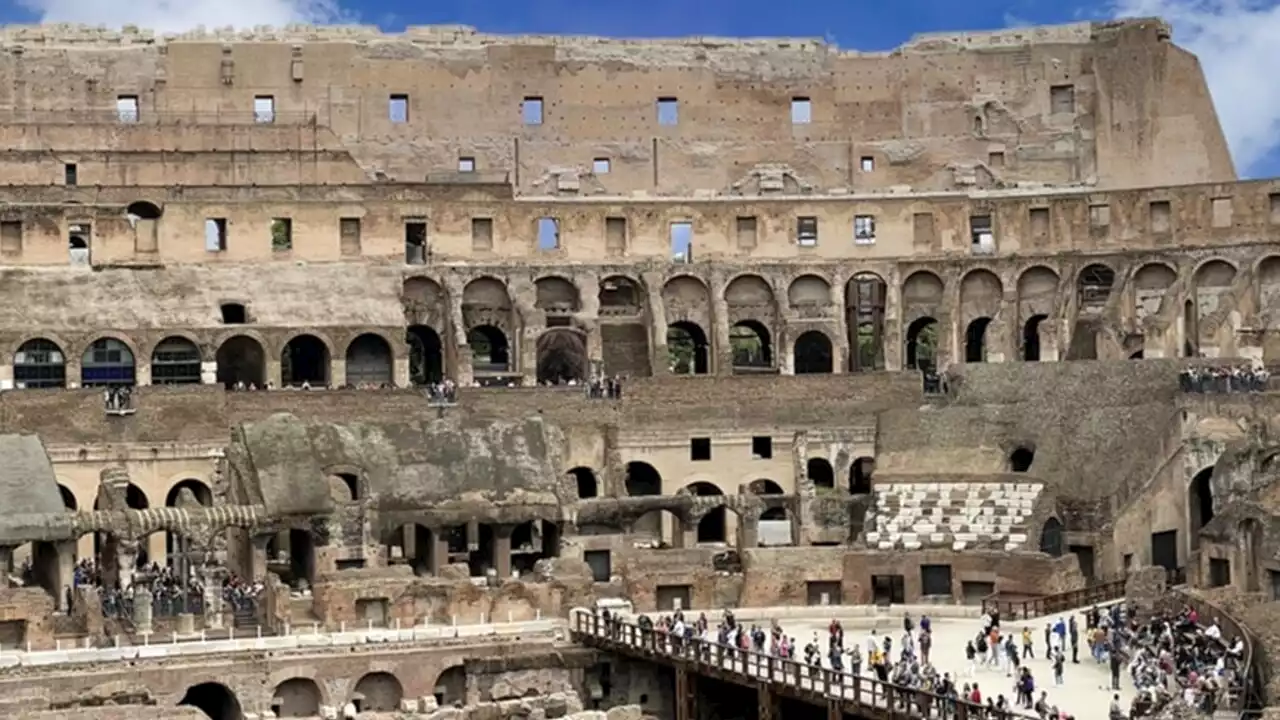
[(213, 699), (813, 354), (562, 357)]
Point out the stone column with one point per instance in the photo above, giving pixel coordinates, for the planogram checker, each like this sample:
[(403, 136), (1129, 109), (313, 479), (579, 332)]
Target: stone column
[(659, 356), (439, 551), (894, 339), (454, 337), (126, 563), (337, 369), (211, 579), (142, 610), (502, 550), (721, 351), (66, 572), (748, 533), (589, 317), (473, 535)]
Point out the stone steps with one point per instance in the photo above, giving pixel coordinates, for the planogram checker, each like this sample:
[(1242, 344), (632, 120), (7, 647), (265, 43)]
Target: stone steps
[(951, 515)]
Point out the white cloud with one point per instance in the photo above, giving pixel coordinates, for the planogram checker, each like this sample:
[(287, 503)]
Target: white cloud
[(1238, 43), (180, 15)]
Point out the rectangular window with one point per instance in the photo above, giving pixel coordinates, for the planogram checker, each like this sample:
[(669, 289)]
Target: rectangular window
[(1222, 212), (1039, 218), (481, 234), (867, 163), (70, 175), (398, 109), (615, 234), (681, 242), (995, 159), (282, 234), (548, 233), (1273, 208), (11, 237), (215, 235), (264, 109), (747, 238), (864, 229), (801, 111), (415, 241), (531, 111), (1161, 216), (349, 236), (466, 164), (600, 166), (127, 108), (923, 231), (1099, 216), (982, 238), (668, 111), (1062, 99), (807, 231), (700, 449), (762, 447)]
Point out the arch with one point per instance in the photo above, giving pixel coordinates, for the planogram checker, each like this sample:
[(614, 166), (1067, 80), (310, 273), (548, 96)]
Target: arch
[(1031, 345), (643, 480), (556, 296), (107, 362), (344, 488), (620, 295), (1268, 275), (201, 492), (451, 686), (1038, 287), (1199, 504), (297, 697), (809, 291), (305, 359), (860, 473), (687, 349), (421, 293), (380, 692), (749, 291), (588, 486), (751, 345), (490, 352), (714, 525), (764, 486), (922, 288), (562, 357), (144, 210), (685, 298), (241, 360), (975, 340), (214, 699), (369, 361), (820, 473), (1214, 273), (176, 361), (1052, 540), (1021, 458), (922, 344), (426, 355), (1154, 276), (486, 292), (865, 297), (980, 293), (68, 498), (1094, 285), (39, 363), (813, 354)]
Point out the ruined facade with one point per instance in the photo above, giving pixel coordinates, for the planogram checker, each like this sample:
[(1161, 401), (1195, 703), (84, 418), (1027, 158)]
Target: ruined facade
[(770, 242)]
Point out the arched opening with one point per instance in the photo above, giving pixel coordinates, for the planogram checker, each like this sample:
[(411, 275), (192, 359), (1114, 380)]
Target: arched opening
[(451, 687), (143, 210), (1094, 285), (184, 494), (765, 486), (975, 340), (687, 349), (241, 361), (1136, 355), (813, 354), (305, 359), (562, 357), (1052, 541), (369, 361), (344, 488), (714, 525), (380, 692), (585, 479), (556, 297), (68, 498), (752, 349), (922, 344), (643, 480), (619, 296), (426, 355), (865, 296), (39, 363), (107, 363), (1200, 503), (490, 352), (296, 697), (820, 473), (1020, 459), (175, 361), (213, 699), (1031, 338), (860, 475)]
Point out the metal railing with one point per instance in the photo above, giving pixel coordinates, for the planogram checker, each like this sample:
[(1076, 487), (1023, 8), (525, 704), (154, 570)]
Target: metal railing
[(1025, 608), (873, 698)]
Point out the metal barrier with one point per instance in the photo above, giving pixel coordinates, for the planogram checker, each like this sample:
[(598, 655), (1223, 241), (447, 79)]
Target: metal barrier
[(870, 698)]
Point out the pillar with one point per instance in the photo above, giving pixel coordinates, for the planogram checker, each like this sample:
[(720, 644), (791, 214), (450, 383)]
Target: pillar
[(748, 532), (473, 535), (457, 360), (66, 577), (502, 550), (212, 581), (768, 702), (142, 610), (686, 694), (439, 551), (721, 351), (337, 370), (659, 356), (894, 333)]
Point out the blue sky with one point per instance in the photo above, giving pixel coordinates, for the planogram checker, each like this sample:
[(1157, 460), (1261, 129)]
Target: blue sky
[(1236, 40)]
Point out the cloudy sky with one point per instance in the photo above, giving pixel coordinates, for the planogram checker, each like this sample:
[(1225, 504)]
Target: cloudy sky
[(1238, 41)]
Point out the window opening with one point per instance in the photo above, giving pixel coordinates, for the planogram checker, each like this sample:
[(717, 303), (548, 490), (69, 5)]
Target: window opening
[(864, 230), (234, 314), (982, 239), (668, 111), (415, 242), (215, 234), (127, 108), (531, 110), (801, 111), (600, 166), (349, 236), (78, 243), (681, 242), (762, 447), (867, 163), (548, 233), (398, 109), (264, 109), (466, 164), (281, 234), (70, 174), (700, 449), (1062, 99), (807, 231), (481, 233)]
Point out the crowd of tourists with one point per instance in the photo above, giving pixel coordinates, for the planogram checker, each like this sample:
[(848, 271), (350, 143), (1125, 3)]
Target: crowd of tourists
[(1225, 379), (170, 595), (117, 398), (1173, 658)]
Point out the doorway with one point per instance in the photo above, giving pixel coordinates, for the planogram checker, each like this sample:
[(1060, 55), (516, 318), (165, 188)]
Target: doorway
[(1164, 549), (888, 590)]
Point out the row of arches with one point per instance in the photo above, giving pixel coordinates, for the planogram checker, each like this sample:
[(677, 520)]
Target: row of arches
[(301, 697), (689, 349)]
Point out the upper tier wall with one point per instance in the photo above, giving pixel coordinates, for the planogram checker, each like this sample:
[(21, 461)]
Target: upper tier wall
[(1108, 104)]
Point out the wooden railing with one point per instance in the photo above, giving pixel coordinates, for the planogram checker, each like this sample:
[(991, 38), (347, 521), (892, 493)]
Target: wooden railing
[(1237, 696), (1033, 607), (861, 696)]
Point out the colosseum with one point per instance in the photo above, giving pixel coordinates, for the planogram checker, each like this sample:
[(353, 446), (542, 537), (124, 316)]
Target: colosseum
[(359, 374)]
